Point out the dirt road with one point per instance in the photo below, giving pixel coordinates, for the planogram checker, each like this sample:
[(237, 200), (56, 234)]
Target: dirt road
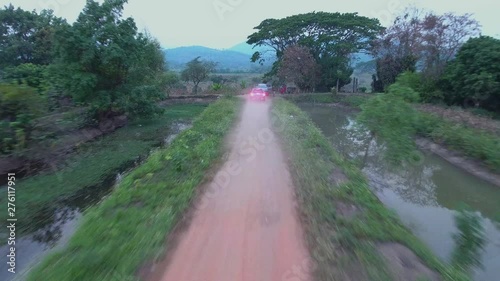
[(245, 227)]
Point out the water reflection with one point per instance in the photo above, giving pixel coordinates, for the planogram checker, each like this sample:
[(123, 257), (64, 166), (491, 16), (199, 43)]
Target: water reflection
[(425, 190)]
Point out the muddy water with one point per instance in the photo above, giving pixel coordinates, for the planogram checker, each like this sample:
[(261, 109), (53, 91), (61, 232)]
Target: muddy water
[(53, 229), (425, 193)]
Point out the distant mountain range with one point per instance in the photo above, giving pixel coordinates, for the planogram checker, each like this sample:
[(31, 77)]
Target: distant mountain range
[(234, 59)]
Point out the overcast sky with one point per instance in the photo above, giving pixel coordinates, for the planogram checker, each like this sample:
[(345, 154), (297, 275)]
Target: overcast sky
[(224, 23)]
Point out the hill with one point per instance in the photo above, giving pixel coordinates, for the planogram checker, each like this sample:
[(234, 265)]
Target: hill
[(227, 60)]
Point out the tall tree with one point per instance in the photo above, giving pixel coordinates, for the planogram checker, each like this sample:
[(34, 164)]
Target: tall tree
[(197, 71), (330, 37), (423, 39), (298, 66), (104, 62)]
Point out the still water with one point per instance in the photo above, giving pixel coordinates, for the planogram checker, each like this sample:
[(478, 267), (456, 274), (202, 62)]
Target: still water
[(425, 193), (54, 227)]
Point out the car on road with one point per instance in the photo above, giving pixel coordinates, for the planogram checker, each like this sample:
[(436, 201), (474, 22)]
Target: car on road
[(264, 87), (258, 94)]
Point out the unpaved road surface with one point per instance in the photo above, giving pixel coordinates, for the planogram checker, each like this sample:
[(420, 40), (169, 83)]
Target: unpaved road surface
[(245, 227)]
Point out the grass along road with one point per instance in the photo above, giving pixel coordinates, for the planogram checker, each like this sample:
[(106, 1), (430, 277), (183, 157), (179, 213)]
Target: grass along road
[(350, 234), (129, 227), (94, 164)]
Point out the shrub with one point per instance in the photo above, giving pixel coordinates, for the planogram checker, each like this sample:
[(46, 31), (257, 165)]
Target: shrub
[(19, 105), (216, 87)]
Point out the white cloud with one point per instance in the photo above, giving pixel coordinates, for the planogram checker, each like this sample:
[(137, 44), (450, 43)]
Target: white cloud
[(223, 23)]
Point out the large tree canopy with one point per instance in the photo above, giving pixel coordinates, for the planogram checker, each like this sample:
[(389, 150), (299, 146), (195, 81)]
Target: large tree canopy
[(323, 33), (26, 37), (104, 62), (330, 37)]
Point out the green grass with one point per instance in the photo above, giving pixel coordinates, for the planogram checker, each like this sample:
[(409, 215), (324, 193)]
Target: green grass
[(474, 143), (131, 225), (347, 99), (312, 98), (93, 164), (337, 243), (354, 101)]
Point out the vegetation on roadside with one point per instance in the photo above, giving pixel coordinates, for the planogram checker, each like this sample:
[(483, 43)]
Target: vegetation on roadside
[(130, 226), (328, 98), (392, 117), (344, 220), (100, 63), (477, 144), (93, 164)]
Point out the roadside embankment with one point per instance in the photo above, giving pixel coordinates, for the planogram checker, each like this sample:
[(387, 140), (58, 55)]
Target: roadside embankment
[(117, 236), (350, 234)]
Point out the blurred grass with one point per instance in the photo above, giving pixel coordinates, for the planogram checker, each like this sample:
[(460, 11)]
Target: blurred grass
[(93, 164), (117, 236), (477, 144), (355, 100), (341, 243)]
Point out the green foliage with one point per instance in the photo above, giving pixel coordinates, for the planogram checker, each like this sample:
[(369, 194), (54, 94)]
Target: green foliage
[(32, 75), (469, 241), (105, 63), (243, 84), (19, 106), (197, 71), (426, 87), (474, 76), (94, 163), (354, 101), (474, 143), (398, 90), (27, 37), (313, 98), (331, 38), (328, 231), (392, 118), (217, 87), (130, 225), (363, 89)]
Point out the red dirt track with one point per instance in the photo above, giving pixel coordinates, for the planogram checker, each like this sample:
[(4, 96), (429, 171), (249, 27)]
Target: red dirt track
[(245, 227)]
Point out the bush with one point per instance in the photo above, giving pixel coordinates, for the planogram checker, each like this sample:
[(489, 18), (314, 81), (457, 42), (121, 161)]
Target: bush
[(404, 92), (19, 105), (473, 77), (216, 87), (363, 89)]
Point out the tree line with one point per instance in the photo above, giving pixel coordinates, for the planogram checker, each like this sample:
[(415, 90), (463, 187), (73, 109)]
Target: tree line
[(101, 62), (451, 62)]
